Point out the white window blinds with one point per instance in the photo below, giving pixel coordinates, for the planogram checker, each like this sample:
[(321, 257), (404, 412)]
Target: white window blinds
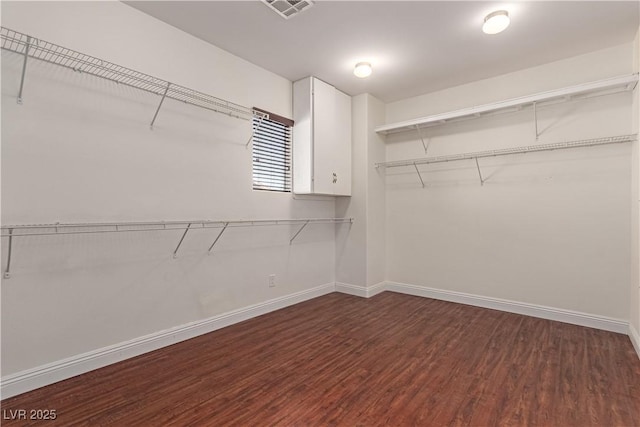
[(272, 154)]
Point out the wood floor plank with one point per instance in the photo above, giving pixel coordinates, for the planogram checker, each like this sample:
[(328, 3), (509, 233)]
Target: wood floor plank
[(340, 360)]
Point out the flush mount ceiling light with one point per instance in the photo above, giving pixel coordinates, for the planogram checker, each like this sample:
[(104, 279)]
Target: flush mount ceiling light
[(362, 70), (496, 22)]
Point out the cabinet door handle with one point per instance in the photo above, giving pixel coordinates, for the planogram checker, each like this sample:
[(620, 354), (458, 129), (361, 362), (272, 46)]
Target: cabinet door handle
[(335, 177)]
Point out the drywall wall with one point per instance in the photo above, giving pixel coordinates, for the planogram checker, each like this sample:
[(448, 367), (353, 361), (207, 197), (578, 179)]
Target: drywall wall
[(550, 228), (351, 245), (360, 250), (376, 195), (80, 150), (634, 289)]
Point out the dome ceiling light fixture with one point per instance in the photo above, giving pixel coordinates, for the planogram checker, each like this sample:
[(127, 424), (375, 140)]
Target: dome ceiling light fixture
[(496, 22), (362, 69)]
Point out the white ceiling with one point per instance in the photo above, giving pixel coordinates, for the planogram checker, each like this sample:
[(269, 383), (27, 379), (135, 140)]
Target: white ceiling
[(415, 47)]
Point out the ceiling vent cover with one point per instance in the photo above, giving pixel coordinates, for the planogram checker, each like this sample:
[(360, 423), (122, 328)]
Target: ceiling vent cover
[(288, 8)]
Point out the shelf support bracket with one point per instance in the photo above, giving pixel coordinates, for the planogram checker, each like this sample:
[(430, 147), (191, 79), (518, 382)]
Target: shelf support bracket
[(254, 130), (175, 253), (7, 271), (425, 146), (479, 172), (418, 172), (164, 95), (24, 69), (535, 119), (296, 235), (226, 224)]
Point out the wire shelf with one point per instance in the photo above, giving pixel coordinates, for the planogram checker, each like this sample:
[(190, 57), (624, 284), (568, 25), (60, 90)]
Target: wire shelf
[(508, 151), (31, 47), (583, 91), (118, 227), (24, 230)]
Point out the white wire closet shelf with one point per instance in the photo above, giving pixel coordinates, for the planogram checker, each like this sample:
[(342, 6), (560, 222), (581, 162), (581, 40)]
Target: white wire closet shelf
[(504, 152), (31, 47), (118, 227), (507, 151), (586, 90), (25, 230)]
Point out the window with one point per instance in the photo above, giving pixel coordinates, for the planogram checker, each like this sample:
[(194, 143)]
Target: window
[(272, 153)]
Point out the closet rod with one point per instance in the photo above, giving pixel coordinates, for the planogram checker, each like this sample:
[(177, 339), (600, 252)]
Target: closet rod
[(31, 47), (508, 151), (121, 227)]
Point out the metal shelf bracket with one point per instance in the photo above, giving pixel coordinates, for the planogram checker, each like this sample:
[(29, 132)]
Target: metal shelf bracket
[(164, 95), (296, 235), (24, 69), (479, 172), (254, 130), (7, 271), (419, 175), (175, 253), (535, 119), (226, 224), (425, 146)]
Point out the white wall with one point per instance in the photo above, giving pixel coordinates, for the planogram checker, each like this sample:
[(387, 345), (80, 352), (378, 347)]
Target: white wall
[(634, 291), (360, 250), (351, 244), (550, 228), (376, 195), (80, 149)]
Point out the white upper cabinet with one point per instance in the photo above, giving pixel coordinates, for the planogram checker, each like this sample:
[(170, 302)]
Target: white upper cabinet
[(321, 139)]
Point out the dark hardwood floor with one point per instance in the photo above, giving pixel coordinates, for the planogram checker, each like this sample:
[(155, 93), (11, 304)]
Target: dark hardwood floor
[(392, 360)]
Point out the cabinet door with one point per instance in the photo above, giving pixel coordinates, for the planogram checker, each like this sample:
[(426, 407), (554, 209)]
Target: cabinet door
[(341, 148), (302, 136), (324, 130)]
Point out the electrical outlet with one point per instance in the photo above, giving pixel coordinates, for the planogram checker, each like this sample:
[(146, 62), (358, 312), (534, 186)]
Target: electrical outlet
[(272, 280)]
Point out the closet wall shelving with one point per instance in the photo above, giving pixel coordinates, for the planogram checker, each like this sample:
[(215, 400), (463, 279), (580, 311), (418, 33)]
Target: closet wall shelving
[(503, 152), (13, 231), (583, 91), (31, 47)]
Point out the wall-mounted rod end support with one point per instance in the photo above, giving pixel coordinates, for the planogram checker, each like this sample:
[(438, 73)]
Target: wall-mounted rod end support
[(19, 101), (6, 275), (174, 256)]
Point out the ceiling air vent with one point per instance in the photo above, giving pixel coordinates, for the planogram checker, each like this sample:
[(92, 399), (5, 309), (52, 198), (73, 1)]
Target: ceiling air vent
[(288, 8)]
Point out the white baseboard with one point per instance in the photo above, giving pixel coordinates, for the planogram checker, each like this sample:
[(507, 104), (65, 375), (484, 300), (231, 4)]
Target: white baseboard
[(361, 291), (376, 289), (534, 310), (31, 379), (635, 339)]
